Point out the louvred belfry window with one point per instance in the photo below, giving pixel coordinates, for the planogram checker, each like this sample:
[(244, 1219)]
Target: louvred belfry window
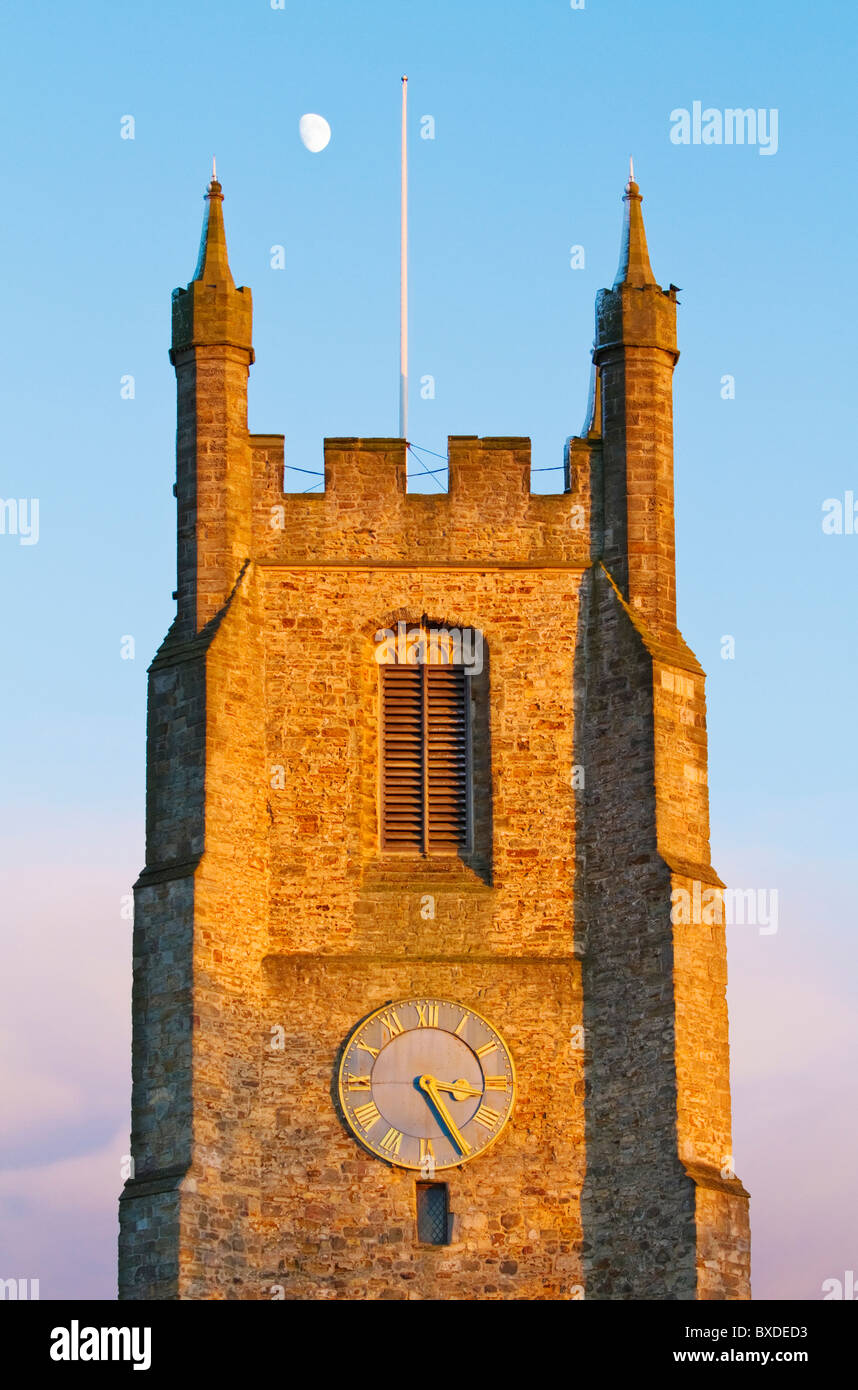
[(425, 758)]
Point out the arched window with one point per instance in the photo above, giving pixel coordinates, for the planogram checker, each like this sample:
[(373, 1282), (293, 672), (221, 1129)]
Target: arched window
[(426, 739)]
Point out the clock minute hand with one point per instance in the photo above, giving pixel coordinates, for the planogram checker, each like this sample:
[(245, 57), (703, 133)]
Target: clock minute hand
[(430, 1086)]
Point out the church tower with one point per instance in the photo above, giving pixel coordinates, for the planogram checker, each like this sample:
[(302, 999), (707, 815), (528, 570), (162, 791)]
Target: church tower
[(416, 1015)]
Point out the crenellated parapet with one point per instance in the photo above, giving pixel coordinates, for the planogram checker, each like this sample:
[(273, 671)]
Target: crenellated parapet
[(488, 515)]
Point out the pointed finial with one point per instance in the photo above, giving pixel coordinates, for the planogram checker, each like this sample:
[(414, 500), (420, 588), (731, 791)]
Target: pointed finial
[(631, 187), (213, 263), (634, 266)]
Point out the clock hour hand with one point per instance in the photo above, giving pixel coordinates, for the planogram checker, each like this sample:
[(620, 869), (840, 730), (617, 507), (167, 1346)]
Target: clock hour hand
[(460, 1090), (429, 1085)]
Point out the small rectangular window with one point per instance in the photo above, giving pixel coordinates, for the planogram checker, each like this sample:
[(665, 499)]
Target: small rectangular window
[(433, 1217)]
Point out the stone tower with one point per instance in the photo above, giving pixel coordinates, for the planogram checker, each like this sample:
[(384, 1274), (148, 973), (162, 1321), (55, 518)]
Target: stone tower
[(300, 877)]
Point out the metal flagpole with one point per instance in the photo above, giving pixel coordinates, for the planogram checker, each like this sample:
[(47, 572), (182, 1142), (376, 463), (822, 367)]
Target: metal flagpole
[(403, 276)]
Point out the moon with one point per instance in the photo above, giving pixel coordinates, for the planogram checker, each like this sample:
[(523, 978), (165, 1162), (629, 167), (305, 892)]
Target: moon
[(314, 132)]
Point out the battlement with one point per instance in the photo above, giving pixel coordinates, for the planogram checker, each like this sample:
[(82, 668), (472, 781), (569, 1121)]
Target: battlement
[(366, 513)]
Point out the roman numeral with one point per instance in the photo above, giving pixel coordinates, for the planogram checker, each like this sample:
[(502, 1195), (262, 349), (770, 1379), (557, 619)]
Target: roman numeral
[(391, 1022), (486, 1117), (367, 1115), (365, 1047), (486, 1049), (358, 1083), (427, 1015), (426, 1150), (391, 1141), (497, 1083), (460, 1025)]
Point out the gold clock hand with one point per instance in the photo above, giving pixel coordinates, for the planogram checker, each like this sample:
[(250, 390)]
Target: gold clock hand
[(429, 1085), (432, 1089), (459, 1089)]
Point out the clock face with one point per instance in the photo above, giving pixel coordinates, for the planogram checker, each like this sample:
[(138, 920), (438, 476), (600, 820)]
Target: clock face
[(426, 1083)]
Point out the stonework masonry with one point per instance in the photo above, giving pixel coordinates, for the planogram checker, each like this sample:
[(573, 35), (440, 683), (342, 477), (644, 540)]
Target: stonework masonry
[(266, 910)]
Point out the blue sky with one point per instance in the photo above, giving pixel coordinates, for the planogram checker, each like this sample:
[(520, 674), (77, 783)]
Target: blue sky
[(537, 108)]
